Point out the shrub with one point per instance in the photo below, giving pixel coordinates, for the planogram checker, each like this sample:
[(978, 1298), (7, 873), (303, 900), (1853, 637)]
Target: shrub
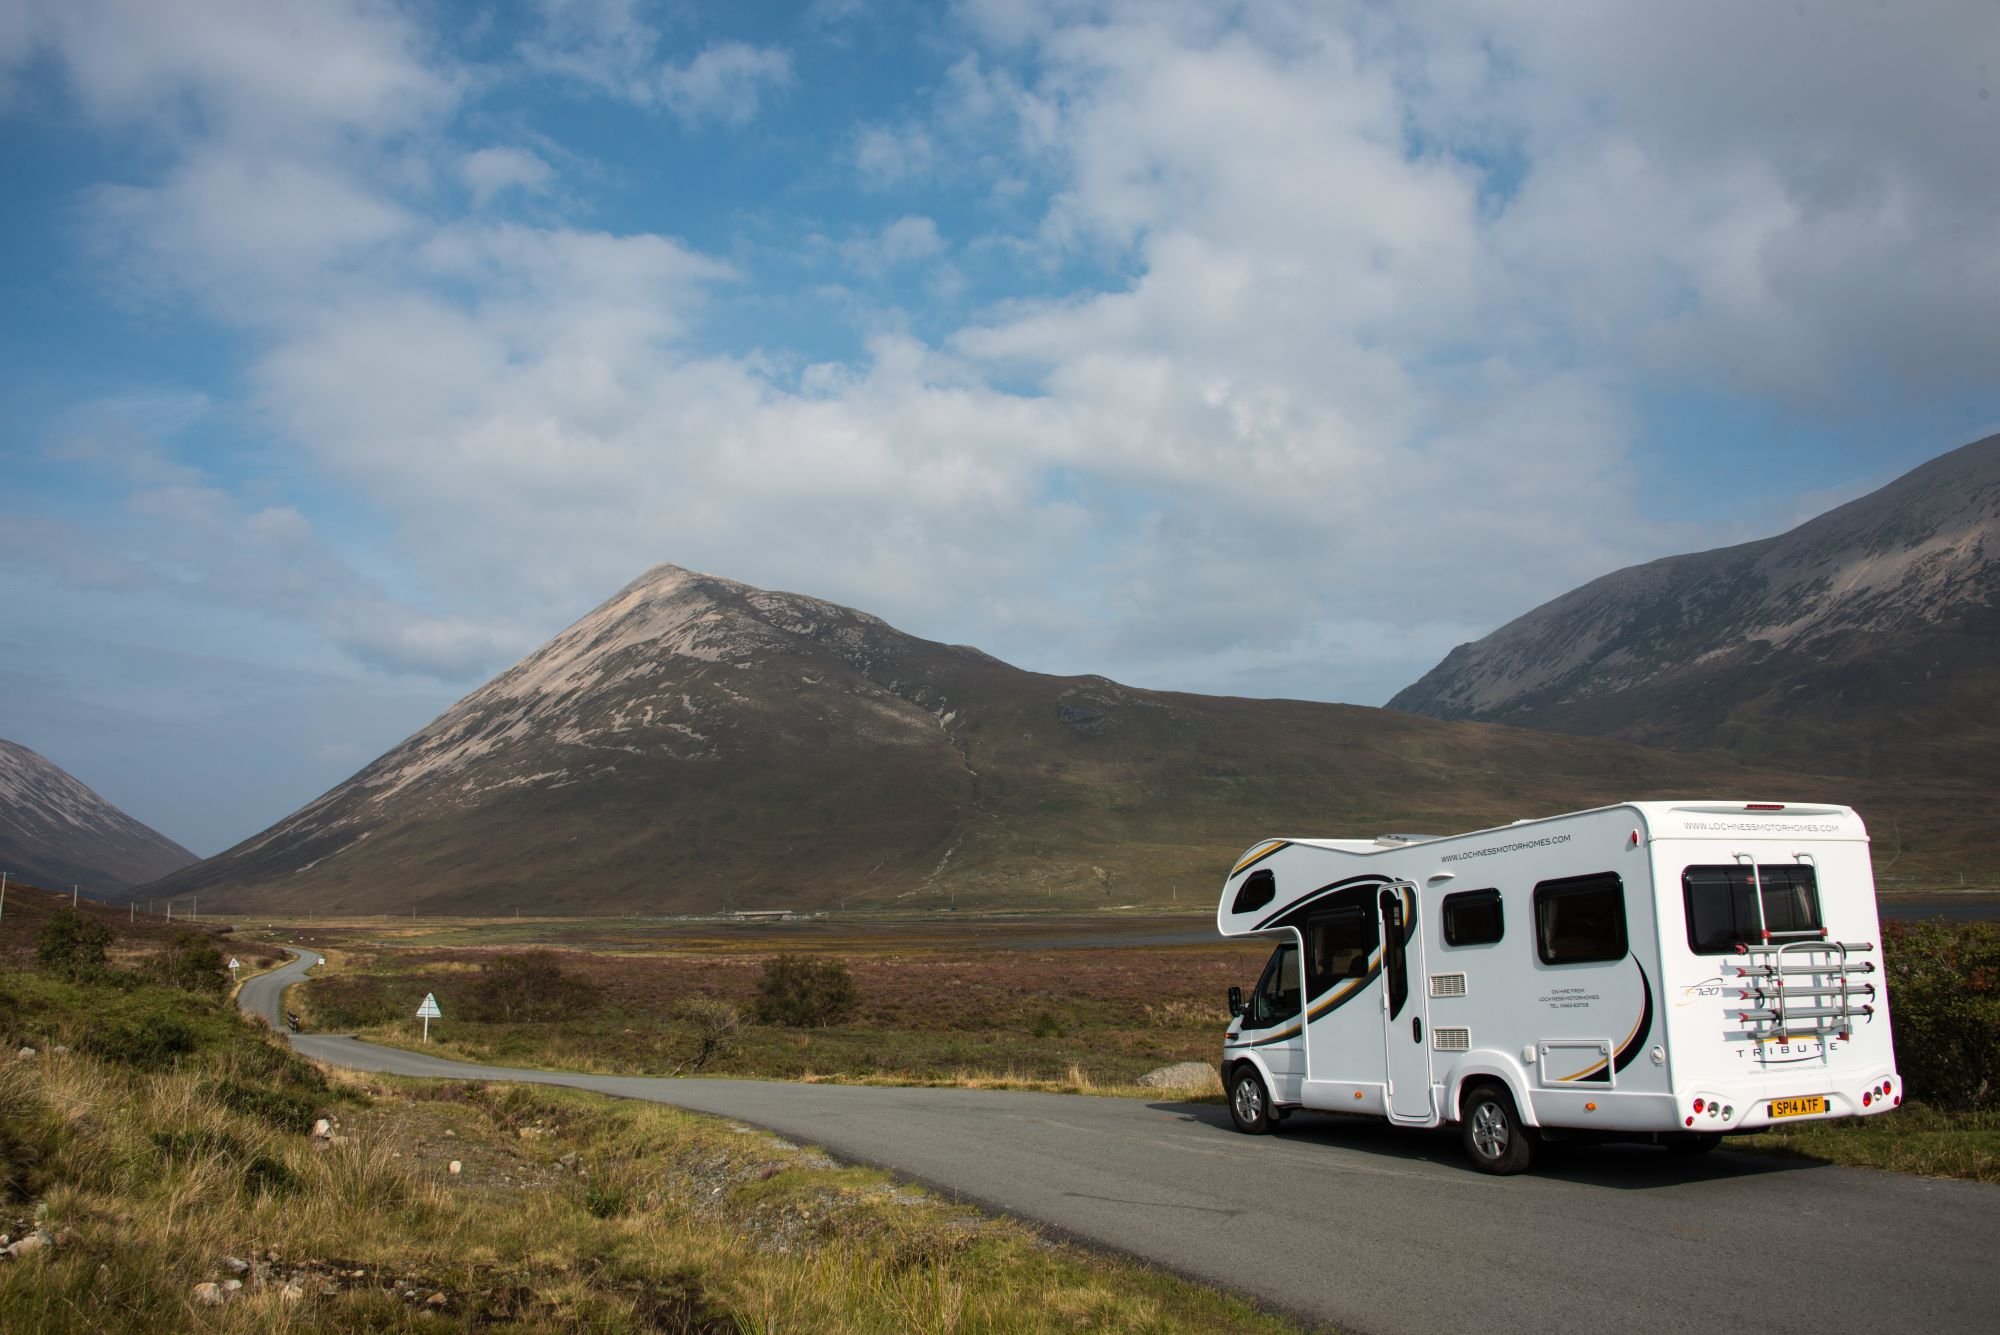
[(530, 987), (352, 1001), (146, 1040), (191, 962), (264, 1175), (1045, 1025), (285, 1109), (1944, 1001), (71, 944), (716, 1027), (804, 992)]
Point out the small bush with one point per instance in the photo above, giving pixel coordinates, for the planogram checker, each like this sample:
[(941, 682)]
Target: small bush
[(1045, 1025), (283, 1109), (804, 993), (1944, 1003), (352, 1001), (530, 987), (148, 1040), (266, 1176), (71, 944), (191, 962), (716, 1027)]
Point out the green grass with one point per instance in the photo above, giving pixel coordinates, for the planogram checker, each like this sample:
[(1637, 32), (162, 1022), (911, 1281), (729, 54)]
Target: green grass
[(1913, 1139), (572, 1212)]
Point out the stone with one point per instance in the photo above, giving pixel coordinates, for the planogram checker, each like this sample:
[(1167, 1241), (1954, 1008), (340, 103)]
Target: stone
[(1181, 1075), (322, 1129), (209, 1295), (59, 1050), (435, 1300), (291, 1293), (235, 1266), (30, 1244), (455, 1168), (232, 1286), (25, 1052), (568, 1160)]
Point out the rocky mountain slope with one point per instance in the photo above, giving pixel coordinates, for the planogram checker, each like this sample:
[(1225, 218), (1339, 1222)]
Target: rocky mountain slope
[(1862, 642), (56, 832), (699, 744)]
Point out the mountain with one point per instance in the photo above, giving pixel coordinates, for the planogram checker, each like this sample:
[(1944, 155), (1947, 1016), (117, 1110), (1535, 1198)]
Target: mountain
[(698, 744), (1862, 642), (56, 832)]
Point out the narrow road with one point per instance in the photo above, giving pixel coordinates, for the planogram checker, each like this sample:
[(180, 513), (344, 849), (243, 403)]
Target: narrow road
[(1376, 1230)]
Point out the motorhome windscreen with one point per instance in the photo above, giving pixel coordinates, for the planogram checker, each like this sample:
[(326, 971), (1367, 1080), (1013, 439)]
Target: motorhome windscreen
[(1722, 905)]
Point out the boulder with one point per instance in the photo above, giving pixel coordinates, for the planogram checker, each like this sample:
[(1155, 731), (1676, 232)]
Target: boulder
[(1181, 1075), (209, 1295)]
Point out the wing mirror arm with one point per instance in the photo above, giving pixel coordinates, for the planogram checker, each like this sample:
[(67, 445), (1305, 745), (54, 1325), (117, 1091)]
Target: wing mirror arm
[(1235, 1001)]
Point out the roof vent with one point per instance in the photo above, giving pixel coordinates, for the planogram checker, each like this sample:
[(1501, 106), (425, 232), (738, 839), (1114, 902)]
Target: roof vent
[(1398, 840)]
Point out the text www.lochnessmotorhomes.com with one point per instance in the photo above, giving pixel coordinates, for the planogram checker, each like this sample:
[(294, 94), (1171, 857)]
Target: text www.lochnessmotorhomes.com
[(1668, 971)]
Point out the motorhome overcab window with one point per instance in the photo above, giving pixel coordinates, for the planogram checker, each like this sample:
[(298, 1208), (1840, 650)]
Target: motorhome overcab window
[(1260, 889), (1580, 919), (1722, 904)]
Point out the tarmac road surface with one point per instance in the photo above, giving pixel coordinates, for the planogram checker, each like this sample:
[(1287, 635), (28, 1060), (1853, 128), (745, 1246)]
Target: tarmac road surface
[(1380, 1231)]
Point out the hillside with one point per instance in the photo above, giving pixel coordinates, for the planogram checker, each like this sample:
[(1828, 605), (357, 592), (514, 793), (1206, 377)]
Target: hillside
[(699, 744), (57, 832), (1862, 642)]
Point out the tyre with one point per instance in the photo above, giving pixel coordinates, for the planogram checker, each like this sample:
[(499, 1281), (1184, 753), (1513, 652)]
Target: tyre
[(1694, 1142), (1249, 1101), (1492, 1133)]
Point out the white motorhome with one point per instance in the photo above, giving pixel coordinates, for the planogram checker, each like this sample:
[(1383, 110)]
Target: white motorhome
[(1668, 971)]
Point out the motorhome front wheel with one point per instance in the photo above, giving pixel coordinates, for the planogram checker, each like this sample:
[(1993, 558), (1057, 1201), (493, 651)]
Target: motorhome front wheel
[(1249, 1102)]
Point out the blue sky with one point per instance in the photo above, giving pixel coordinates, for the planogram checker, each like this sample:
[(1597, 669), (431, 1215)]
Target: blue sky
[(351, 349)]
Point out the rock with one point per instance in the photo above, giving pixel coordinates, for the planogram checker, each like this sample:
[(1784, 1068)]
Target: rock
[(291, 1293), (435, 1300), (235, 1266), (1181, 1075), (322, 1129), (30, 1244), (568, 1161), (455, 1168), (59, 1050), (232, 1286), (449, 1134), (209, 1295), (25, 1052)]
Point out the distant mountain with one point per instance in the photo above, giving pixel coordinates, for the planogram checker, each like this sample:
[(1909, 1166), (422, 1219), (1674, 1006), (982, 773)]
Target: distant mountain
[(57, 833), (696, 744), (1864, 642)]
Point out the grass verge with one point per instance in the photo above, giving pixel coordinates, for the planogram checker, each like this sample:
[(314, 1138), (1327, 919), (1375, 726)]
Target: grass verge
[(148, 1175), (1913, 1139)]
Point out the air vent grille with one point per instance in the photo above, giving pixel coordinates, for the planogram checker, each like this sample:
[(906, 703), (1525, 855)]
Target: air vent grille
[(1447, 984), (1451, 1040)]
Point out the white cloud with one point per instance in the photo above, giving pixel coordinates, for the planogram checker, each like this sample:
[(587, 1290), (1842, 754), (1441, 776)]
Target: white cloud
[(726, 83), (488, 172), (887, 155)]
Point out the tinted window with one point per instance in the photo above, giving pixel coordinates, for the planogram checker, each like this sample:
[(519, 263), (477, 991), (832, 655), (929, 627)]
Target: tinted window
[(1337, 947), (1473, 918), (1580, 919), (1721, 904), (1276, 999), (1260, 889), (1395, 934)]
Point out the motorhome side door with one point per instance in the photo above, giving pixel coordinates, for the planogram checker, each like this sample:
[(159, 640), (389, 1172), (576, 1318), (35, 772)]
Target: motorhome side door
[(1403, 1006)]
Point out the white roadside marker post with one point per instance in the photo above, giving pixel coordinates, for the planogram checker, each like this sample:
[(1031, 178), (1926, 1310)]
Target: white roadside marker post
[(3, 896), (427, 1012)]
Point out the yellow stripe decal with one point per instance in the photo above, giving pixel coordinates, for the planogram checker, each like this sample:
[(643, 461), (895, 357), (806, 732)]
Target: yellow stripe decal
[(1258, 854)]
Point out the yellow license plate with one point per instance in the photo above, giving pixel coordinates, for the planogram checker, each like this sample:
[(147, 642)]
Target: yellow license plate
[(1805, 1107)]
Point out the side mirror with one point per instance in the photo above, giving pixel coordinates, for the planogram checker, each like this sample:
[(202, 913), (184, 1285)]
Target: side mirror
[(1235, 1001)]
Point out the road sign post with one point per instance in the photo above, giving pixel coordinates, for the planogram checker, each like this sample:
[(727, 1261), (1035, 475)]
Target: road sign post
[(234, 965), (427, 1012)]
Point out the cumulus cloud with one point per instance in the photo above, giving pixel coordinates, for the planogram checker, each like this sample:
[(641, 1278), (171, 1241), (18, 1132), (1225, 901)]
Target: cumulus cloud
[(1323, 352), (488, 172)]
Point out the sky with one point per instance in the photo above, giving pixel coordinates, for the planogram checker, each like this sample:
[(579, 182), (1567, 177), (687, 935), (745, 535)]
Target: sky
[(350, 349)]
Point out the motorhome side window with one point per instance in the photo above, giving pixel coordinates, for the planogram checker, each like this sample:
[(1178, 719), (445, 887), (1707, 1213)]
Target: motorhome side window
[(1260, 889), (1473, 918), (1580, 919), (1338, 946), (1722, 904)]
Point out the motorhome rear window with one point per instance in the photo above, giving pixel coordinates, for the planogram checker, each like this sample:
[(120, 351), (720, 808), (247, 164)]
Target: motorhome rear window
[(1580, 919), (1722, 904), (1260, 889), (1337, 947), (1473, 918)]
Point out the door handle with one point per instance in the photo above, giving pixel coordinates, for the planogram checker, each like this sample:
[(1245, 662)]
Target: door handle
[(1416, 1028)]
